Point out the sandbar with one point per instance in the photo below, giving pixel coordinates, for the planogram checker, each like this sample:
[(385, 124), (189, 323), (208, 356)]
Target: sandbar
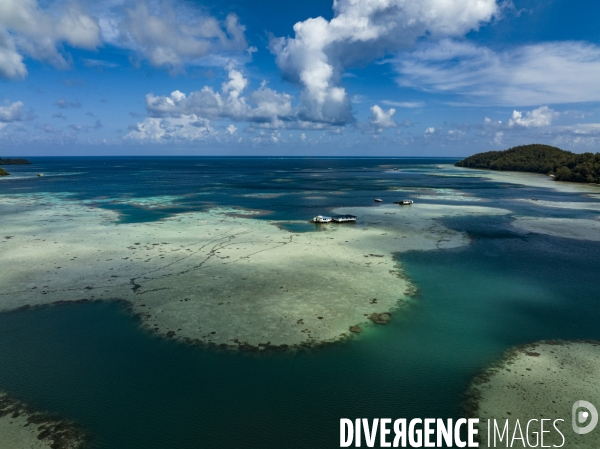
[(520, 178), (574, 205), (571, 228), (535, 381)]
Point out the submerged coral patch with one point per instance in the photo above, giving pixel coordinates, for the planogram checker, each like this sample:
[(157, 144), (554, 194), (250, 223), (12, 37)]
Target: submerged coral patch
[(218, 277), (537, 381)]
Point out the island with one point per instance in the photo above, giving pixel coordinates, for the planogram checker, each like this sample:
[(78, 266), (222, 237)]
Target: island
[(14, 161), (3, 172), (536, 158)]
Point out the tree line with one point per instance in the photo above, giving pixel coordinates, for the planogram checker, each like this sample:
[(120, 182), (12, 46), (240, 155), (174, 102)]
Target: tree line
[(14, 161), (538, 158)]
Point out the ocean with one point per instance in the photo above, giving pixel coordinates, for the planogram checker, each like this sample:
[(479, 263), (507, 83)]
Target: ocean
[(93, 364)]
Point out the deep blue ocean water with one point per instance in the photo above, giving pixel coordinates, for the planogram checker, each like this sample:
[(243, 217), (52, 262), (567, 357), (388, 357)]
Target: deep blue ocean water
[(93, 364)]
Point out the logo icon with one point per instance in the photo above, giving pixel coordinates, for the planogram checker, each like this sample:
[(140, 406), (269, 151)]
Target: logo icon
[(579, 417)]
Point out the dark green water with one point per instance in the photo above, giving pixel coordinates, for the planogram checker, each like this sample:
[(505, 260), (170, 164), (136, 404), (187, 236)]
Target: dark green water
[(91, 363)]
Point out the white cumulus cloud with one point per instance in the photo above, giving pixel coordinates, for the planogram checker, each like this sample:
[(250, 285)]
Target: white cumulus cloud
[(163, 130), (541, 116), (359, 32), (262, 106), (381, 119), (11, 113)]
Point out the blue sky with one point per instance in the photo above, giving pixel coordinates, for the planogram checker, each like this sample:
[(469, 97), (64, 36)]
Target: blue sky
[(354, 77)]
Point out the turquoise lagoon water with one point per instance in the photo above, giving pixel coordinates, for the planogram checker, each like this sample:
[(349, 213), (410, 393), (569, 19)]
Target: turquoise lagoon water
[(93, 364)]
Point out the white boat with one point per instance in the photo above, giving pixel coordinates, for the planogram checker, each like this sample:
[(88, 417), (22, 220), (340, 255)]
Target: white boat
[(404, 202), (40, 174), (321, 219), (343, 218), (378, 200)]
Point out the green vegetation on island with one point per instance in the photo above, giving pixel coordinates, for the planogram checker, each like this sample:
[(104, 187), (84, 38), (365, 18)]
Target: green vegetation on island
[(537, 158), (15, 161), (3, 172)]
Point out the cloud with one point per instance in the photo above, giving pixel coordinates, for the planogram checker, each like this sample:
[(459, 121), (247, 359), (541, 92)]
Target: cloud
[(536, 125), (163, 130), (379, 120), (264, 106), (77, 82), (582, 128), (231, 129), (99, 64), (361, 31), (11, 113), (404, 104), (11, 62), (585, 136), (64, 104), (167, 34), (28, 30), (171, 34), (541, 116), (554, 72), (406, 123), (358, 99), (489, 122), (497, 140)]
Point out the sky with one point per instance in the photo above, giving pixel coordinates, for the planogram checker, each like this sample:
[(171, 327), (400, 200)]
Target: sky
[(297, 78)]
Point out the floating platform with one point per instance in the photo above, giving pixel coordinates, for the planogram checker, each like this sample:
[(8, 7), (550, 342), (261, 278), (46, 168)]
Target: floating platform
[(335, 218), (343, 218)]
